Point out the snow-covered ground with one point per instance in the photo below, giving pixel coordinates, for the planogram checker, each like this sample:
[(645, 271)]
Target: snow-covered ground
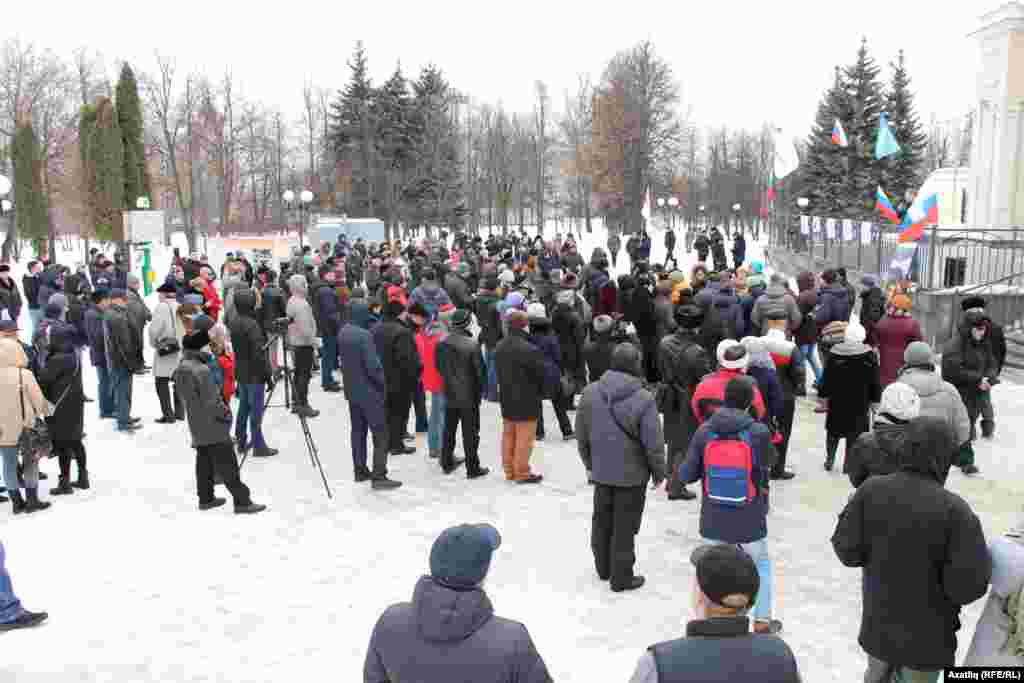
[(142, 587)]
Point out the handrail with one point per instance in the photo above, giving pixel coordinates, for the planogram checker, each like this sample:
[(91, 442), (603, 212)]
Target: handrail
[(973, 288)]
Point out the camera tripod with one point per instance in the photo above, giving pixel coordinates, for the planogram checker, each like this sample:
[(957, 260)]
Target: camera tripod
[(286, 379)]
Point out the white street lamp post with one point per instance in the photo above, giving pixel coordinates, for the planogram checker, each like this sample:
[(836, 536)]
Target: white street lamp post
[(305, 197), (673, 202), (142, 203)]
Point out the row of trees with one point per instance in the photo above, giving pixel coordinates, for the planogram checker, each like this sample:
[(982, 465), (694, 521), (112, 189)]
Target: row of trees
[(842, 182)]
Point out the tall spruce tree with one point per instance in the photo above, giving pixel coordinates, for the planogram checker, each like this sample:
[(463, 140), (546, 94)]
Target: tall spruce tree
[(353, 132), (393, 107), (31, 220), (106, 150), (129, 118), (86, 125), (437, 187), (902, 175), (866, 101), (825, 169)]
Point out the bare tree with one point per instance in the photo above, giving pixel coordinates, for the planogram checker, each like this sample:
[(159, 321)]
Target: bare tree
[(541, 145)]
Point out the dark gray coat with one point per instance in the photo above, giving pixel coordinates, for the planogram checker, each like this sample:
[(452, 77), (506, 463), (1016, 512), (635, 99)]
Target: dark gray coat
[(449, 636), (612, 456), (209, 418)]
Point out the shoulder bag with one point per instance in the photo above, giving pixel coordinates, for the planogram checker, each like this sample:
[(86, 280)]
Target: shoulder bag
[(35, 441)]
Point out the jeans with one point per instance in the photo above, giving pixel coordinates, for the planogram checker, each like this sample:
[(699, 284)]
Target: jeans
[(808, 351), (758, 551), (883, 672), (10, 606), (35, 315), (106, 392), (121, 385), (250, 411), (419, 402), (616, 522), (219, 458), (363, 420), (435, 430), (491, 390), (328, 359)]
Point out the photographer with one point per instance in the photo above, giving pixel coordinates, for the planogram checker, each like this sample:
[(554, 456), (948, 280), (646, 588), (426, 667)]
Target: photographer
[(303, 339), (252, 371)]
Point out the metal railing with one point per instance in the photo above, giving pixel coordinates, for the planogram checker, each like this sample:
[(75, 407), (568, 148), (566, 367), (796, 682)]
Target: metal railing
[(1006, 309)]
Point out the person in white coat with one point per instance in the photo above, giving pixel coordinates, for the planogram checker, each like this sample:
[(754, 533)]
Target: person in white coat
[(165, 333), (999, 636)]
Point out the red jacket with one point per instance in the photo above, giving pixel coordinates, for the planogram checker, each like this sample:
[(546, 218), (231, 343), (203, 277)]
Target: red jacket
[(894, 333), (427, 347), (227, 364), (710, 395), (211, 301)]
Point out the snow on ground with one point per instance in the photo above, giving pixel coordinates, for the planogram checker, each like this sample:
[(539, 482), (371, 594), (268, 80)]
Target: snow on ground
[(142, 587)]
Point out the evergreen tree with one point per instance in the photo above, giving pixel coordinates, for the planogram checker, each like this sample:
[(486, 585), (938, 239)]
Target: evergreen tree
[(353, 132), (86, 125), (437, 186), (129, 116), (825, 168), (106, 150), (393, 108), (866, 102), (31, 220), (902, 174)]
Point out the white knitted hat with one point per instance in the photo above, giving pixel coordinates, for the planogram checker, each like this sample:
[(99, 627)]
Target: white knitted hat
[(738, 364), (536, 311), (856, 333), (901, 401)]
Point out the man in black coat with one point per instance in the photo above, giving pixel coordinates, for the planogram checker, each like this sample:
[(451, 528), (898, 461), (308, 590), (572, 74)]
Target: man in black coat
[(997, 336), (461, 367), (10, 297), (252, 372), (969, 363), (396, 348), (923, 556), (718, 642), (670, 245), (520, 367), (324, 299), (683, 362), (31, 282), (598, 351), (124, 357)]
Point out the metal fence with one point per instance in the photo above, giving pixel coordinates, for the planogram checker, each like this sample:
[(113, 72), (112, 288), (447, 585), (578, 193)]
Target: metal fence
[(946, 257)]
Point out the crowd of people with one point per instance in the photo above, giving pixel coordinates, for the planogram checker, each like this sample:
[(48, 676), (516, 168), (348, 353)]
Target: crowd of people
[(661, 377)]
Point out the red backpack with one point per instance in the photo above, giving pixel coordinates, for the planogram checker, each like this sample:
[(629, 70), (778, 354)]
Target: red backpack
[(729, 470)]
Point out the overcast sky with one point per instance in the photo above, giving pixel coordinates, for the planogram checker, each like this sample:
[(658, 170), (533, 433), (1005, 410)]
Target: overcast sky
[(740, 63)]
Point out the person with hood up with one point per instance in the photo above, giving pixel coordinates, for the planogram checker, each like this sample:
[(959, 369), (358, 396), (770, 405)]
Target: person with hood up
[(598, 351), (789, 367), (430, 294), (253, 372), (622, 447), (449, 631), (997, 638), (879, 451), (396, 348), (209, 422), (938, 397), (521, 383), (969, 363), (776, 298), (923, 556), (61, 384), (302, 337), (365, 389), (544, 339), (872, 305), (976, 304), (893, 334), (724, 317), (430, 332), (461, 367), (18, 388), (683, 363), (734, 504), (850, 385), (761, 368)]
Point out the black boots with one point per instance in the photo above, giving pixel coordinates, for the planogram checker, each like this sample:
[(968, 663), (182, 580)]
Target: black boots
[(32, 502), (64, 488), (17, 502), (83, 481), (988, 429), (24, 620), (831, 446)]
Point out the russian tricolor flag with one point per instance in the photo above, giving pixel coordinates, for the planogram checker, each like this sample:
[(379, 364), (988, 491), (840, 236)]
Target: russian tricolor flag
[(839, 135), (922, 213), (885, 207)]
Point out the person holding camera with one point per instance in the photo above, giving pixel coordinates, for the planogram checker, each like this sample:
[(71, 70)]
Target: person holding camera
[(252, 370), (302, 337)]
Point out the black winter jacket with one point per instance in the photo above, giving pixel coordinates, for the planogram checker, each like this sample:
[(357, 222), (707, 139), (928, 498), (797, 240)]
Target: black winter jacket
[(922, 550), (31, 283), (209, 418), (251, 363), (396, 348), (876, 453), (682, 362), (486, 309), (966, 361), (520, 369), (61, 374), (123, 340), (598, 354), (10, 298), (461, 367)]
